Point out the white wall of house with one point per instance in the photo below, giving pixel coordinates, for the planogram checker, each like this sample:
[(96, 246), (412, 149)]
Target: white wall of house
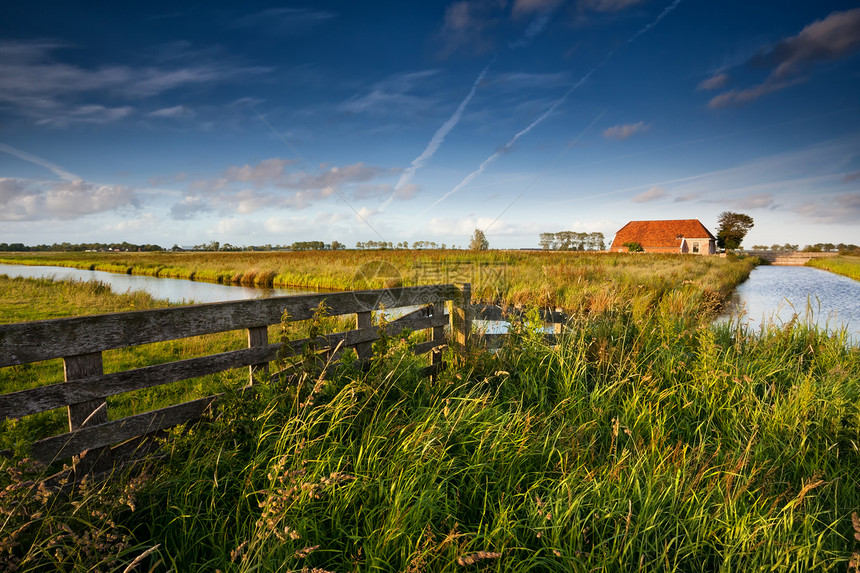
[(705, 246)]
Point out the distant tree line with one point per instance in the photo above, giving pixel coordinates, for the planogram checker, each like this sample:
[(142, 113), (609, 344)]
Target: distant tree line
[(841, 248), (71, 247), (572, 241)]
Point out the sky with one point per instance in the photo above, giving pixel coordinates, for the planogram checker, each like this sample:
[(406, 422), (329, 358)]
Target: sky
[(268, 123)]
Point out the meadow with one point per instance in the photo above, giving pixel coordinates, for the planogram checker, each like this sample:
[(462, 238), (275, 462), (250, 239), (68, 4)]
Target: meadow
[(575, 281), (842, 265), (647, 439)]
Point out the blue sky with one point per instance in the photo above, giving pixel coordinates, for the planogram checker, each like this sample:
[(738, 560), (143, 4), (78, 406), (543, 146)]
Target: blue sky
[(260, 123)]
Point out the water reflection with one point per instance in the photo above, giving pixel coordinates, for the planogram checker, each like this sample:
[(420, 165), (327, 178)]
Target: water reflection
[(777, 294), (173, 290)]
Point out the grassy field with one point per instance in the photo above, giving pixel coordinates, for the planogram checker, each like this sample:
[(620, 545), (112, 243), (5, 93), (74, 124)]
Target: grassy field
[(842, 265), (36, 299), (577, 282), (646, 440)]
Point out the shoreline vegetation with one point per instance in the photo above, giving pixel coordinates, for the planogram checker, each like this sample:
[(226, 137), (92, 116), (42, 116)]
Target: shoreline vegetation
[(647, 439), (847, 266), (576, 282)]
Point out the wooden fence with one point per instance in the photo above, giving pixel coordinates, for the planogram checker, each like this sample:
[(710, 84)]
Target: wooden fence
[(94, 442)]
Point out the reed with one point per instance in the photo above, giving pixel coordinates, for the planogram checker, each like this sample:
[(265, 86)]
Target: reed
[(646, 439), (583, 282), (842, 265)]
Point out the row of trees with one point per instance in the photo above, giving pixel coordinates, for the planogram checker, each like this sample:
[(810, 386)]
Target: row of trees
[(572, 241), (72, 247), (844, 248)]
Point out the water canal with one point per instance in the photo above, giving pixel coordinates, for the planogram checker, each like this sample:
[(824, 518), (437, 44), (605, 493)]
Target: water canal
[(777, 294), (173, 290)]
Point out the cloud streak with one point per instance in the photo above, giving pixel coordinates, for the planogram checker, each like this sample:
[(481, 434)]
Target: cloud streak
[(436, 141), (834, 37), (54, 168), (509, 145), (626, 130)]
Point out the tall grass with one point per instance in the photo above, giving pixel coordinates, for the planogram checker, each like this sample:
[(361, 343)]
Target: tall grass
[(843, 265), (645, 440), (577, 282)]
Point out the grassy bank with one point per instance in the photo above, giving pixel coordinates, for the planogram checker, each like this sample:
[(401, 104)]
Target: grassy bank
[(842, 265), (577, 282), (37, 299), (646, 440)]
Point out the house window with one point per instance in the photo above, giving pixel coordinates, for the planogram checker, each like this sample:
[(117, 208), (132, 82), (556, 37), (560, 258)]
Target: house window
[(695, 247)]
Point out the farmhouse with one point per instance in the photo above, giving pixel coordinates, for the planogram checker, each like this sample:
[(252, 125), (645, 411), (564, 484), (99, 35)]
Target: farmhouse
[(674, 236)]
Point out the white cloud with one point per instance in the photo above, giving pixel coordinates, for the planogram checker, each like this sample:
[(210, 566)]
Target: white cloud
[(652, 194), (626, 130), (714, 82), (39, 86), (178, 111), (251, 187), (467, 25), (189, 207), (27, 200), (147, 222), (838, 209), (94, 114), (392, 95), (755, 201)]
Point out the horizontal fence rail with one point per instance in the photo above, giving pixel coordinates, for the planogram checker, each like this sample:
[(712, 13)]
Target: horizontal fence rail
[(94, 443)]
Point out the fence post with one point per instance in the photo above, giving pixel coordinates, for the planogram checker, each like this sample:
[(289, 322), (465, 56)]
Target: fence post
[(437, 335), (364, 320), (86, 414), (461, 318), (258, 336)]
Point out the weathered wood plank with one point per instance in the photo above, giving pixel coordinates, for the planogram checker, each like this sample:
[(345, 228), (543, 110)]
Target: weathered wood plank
[(35, 400), (257, 337), (461, 318), (73, 443), (351, 338), (424, 347), (364, 320), (42, 340), (89, 413), (43, 398), (438, 336)]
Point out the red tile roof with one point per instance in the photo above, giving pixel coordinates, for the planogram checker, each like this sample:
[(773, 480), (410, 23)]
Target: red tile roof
[(661, 234)]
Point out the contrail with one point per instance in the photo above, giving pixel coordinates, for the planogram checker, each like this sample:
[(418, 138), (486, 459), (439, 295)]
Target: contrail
[(471, 176), (437, 139), (548, 167), (656, 21), (57, 170)]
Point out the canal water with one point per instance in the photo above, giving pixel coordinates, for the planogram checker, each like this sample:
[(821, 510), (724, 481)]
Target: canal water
[(777, 294), (173, 290)]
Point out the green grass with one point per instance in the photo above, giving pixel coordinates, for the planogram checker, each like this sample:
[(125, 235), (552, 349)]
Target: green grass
[(646, 440), (842, 265), (37, 299), (577, 282)]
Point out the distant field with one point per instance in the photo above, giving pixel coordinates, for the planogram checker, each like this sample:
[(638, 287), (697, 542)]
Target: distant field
[(842, 265), (577, 282)]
